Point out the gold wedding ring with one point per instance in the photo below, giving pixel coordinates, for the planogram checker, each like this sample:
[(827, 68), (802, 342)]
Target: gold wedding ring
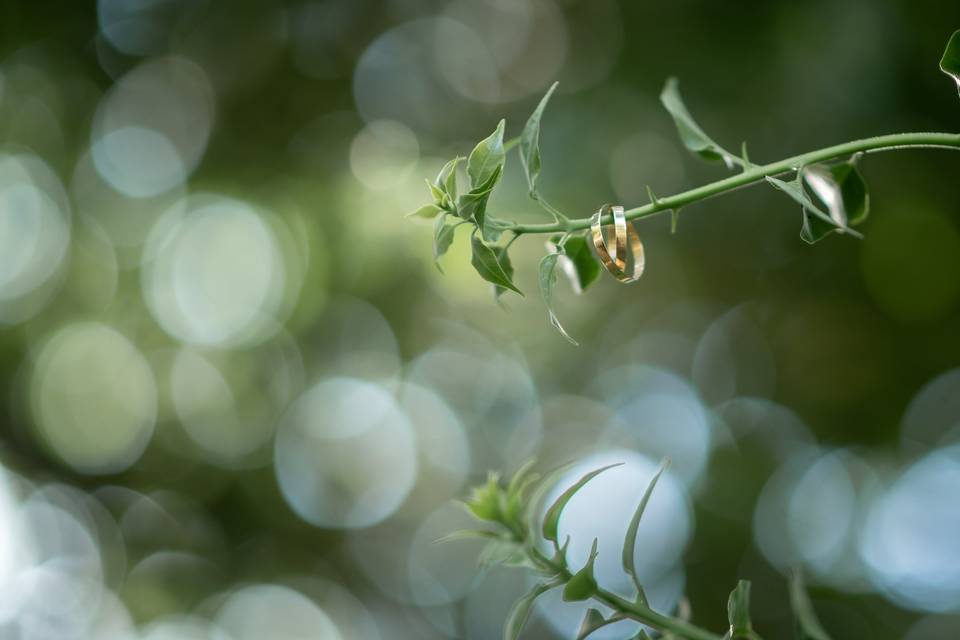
[(615, 259)]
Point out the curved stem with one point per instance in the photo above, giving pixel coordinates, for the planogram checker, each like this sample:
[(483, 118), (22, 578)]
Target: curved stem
[(632, 610), (759, 173)]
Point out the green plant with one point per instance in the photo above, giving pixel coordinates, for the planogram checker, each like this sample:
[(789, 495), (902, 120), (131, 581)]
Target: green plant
[(520, 532), (826, 183)]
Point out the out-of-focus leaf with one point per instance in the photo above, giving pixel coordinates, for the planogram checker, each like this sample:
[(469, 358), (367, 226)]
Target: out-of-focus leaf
[(586, 266), (692, 136), (427, 211), (816, 223), (738, 611), (582, 584), (488, 156), (442, 238), (531, 512), (487, 263), (503, 257), (950, 62), (592, 620), (484, 501), (551, 521), (503, 552), (548, 279), (467, 534), (630, 540), (808, 625), (516, 490), (530, 142), (521, 610)]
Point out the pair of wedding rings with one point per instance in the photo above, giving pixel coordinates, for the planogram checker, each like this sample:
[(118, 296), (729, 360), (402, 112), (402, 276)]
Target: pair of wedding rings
[(624, 260)]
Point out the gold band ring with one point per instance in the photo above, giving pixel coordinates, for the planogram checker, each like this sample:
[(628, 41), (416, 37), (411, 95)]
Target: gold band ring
[(615, 260)]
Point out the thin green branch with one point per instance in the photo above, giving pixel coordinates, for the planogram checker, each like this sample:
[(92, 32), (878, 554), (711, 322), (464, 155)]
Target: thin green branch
[(632, 610), (758, 173)]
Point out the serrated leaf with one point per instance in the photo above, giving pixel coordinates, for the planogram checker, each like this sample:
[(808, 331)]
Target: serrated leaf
[(592, 620), (530, 142), (808, 625), (487, 157), (582, 585), (816, 223), (518, 615), (738, 611), (427, 211), (548, 279), (587, 267), (551, 521), (488, 265), (442, 238), (627, 557), (950, 62), (692, 136)]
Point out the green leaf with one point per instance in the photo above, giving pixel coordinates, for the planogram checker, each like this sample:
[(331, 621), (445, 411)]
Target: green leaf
[(503, 257), (503, 552), (443, 178), (582, 585), (630, 540), (738, 611), (530, 142), (551, 521), (592, 620), (442, 238), (548, 279), (691, 134), (514, 509), (484, 501), (842, 190), (816, 223), (467, 534), (487, 157), (428, 211), (487, 263), (808, 625), (450, 182), (436, 192), (473, 205), (586, 266), (950, 62), (521, 610)]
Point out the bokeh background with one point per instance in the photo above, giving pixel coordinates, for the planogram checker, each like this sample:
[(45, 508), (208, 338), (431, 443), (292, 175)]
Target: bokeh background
[(238, 398)]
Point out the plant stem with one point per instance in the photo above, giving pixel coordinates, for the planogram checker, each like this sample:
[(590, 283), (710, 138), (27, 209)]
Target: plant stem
[(758, 173), (628, 609)]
